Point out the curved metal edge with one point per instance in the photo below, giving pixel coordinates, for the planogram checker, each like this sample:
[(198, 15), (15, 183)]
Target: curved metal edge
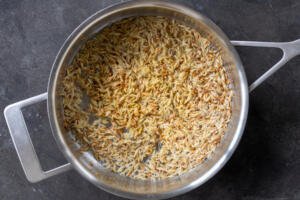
[(51, 101), (22, 141)]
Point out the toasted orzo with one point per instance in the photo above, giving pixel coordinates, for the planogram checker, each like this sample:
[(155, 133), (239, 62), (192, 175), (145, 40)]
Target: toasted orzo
[(149, 97)]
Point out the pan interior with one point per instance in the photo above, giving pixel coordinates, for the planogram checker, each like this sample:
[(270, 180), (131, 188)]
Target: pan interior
[(85, 162)]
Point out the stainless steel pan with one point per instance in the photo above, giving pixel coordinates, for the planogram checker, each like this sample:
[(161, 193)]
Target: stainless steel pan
[(85, 163)]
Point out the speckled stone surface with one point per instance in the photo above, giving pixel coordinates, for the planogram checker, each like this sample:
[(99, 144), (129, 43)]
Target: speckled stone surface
[(265, 166)]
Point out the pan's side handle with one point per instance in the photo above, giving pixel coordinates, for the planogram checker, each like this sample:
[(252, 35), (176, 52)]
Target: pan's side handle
[(22, 141), (289, 49)]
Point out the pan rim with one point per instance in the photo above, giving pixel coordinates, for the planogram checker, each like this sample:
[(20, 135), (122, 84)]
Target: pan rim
[(52, 88)]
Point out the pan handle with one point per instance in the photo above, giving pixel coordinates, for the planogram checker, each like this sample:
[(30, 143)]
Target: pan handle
[(289, 49), (22, 141)]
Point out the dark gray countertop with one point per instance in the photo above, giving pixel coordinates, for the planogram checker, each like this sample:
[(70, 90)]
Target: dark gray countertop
[(266, 165)]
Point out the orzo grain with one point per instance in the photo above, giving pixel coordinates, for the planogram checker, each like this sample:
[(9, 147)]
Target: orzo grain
[(157, 95)]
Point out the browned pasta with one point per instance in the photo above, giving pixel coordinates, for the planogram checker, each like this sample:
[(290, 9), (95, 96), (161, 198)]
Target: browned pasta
[(148, 96)]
